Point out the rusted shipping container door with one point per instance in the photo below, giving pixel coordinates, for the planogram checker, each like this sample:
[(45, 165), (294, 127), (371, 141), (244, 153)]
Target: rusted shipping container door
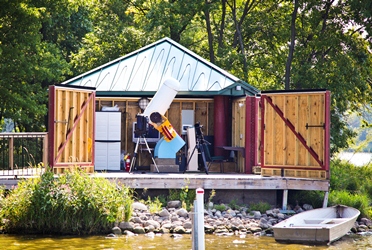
[(295, 132), (71, 127)]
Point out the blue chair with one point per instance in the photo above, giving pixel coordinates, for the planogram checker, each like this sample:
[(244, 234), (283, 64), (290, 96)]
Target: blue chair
[(210, 159)]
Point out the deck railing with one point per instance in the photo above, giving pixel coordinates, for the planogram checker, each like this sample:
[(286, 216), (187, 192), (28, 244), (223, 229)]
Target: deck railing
[(23, 153)]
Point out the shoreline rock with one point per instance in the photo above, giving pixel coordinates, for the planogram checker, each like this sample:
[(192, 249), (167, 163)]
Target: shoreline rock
[(175, 220)]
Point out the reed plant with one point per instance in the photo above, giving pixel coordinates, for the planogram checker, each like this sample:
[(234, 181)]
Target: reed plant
[(73, 203)]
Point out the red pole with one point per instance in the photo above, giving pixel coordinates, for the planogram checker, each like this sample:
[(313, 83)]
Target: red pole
[(327, 133), (51, 128), (221, 115)]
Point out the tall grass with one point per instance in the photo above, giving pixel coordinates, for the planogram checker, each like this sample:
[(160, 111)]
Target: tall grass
[(351, 185), (74, 203)]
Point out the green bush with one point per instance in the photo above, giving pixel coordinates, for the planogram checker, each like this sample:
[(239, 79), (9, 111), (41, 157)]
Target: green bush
[(358, 201), (73, 203), (260, 206), (220, 207), (184, 195), (312, 197)]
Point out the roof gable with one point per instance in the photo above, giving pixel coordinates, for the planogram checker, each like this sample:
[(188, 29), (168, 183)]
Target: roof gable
[(145, 70)]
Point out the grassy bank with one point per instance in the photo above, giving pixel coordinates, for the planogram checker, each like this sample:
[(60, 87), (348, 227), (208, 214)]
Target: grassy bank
[(74, 203), (350, 185)]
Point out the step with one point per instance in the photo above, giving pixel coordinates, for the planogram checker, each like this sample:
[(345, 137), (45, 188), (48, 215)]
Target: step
[(165, 168)]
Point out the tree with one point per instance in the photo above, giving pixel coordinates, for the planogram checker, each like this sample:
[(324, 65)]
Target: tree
[(25, 62)]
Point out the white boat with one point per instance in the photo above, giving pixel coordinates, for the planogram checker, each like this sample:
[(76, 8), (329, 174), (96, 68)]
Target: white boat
[(317, 226)]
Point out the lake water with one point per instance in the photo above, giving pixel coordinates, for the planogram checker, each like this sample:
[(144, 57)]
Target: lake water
[(358, 159), (165, 242)]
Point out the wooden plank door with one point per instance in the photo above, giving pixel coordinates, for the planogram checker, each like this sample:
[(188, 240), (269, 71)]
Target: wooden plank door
[(295, 133), (71, 126)]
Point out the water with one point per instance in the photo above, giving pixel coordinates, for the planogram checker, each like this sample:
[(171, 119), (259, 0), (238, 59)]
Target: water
[(165, 242), (358, 159)]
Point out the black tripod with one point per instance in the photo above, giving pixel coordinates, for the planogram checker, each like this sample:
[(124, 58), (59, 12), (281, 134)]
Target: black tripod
[(136, 153), (200, 143), (140, 130)]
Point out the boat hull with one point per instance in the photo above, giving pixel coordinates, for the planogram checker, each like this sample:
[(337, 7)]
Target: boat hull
[(318, 226)]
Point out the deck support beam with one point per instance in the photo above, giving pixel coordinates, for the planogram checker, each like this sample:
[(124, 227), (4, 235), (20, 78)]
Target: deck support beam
[(325, 201), (285, 199)]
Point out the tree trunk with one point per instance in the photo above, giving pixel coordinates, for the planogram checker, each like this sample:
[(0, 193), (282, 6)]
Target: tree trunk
[(291, 46), (209, 32)]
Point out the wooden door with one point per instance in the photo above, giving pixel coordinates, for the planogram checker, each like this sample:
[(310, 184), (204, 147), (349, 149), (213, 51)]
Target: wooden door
[(295, 133), (71, 127)]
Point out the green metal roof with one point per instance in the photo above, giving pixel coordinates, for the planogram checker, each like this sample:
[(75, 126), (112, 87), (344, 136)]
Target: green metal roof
[(142, 72)]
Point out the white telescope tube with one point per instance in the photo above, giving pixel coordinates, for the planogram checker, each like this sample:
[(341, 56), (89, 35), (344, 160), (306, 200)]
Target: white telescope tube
[(163, 97)]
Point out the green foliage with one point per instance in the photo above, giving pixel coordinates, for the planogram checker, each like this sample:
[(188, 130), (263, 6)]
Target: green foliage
[(314, 198), (260, 206), (44, 42), (220, 207), (346, 176), (74, 203), (184, 195), (212, 194), (358, 201), (233, 204), (154, 205), (351, 185)]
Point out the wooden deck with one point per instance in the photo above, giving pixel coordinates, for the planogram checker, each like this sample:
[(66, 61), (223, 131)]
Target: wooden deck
[(214, 181), (227, 181)]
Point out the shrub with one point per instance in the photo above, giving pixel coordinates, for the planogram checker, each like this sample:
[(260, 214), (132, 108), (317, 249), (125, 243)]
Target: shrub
[(260, 206), (314, 198), (184, 195), (234, 205), (154, 205), (220, 207), (74, 203)]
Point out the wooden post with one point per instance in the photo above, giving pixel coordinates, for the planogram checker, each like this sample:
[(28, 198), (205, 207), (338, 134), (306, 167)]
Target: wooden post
[(45, 150), (285, 199), (11, 153), (325, 201)]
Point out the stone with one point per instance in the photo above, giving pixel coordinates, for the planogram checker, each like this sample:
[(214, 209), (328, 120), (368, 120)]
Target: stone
[(136, 220), (281, 216), (366, 222), (129, 233), (167, 226), (232, 213), (255, 229), (174, 204), (139, 230), (256, 214), (163, 231), (182, 213), (307, 207), (126, 226), (221, 230), (116, 230), (179, 230), (218, 214), (149, 228), (153, 223), (210, 205), (164, 213), (112, 235), (177, 223), (187, 225), (143, 217), (150, 235), (139, 206), (208, 229)]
